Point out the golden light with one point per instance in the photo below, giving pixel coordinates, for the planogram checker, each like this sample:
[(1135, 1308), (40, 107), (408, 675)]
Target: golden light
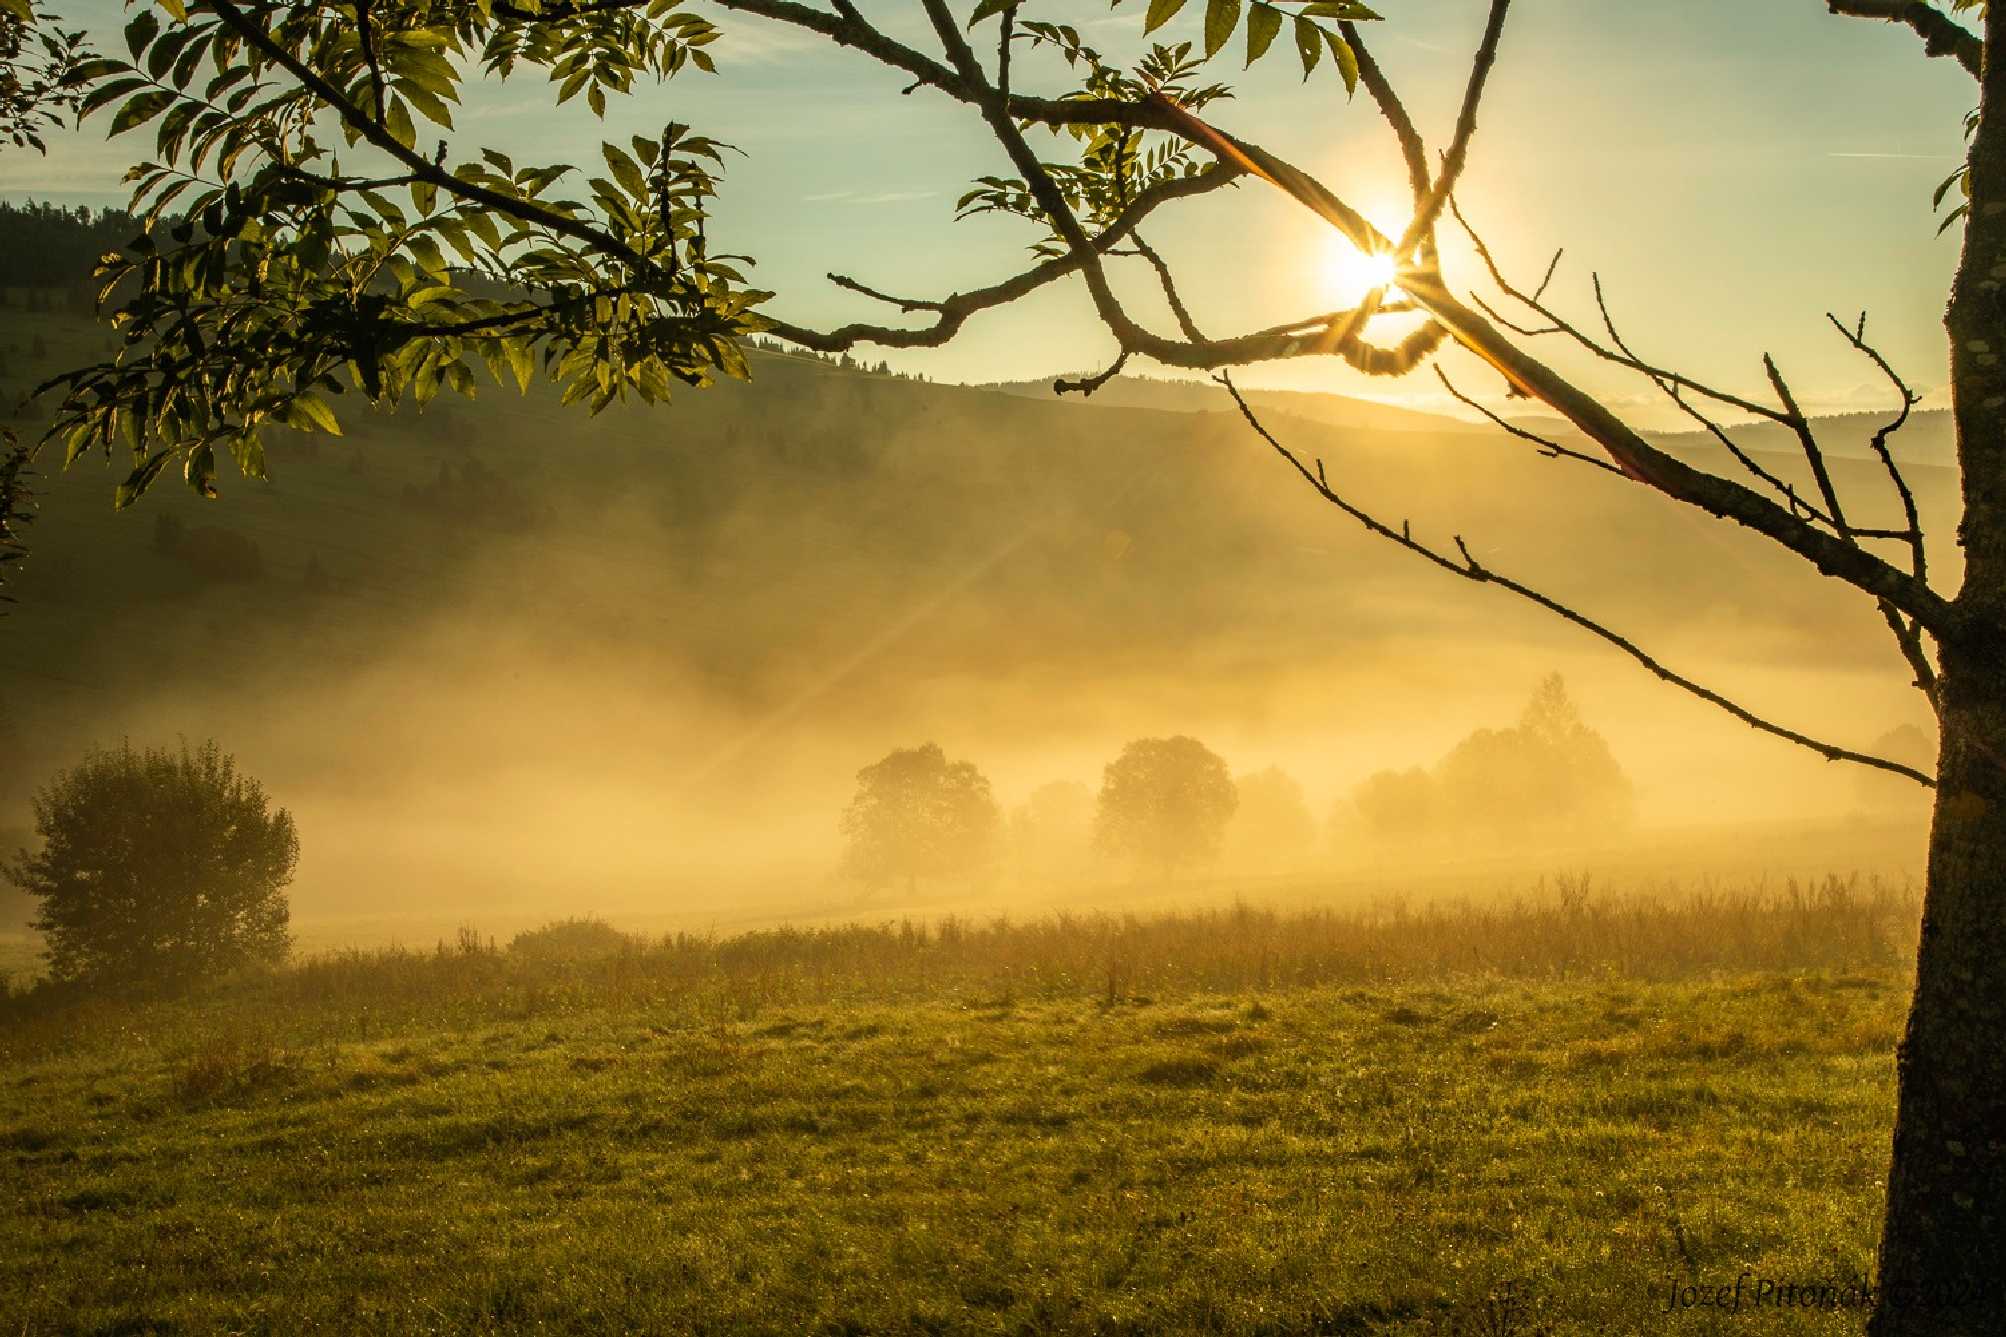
[(1351, 273)]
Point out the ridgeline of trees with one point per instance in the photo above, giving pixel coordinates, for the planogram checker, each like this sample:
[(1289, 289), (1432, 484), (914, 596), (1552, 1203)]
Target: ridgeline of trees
[(1170, 805), (47, 251)]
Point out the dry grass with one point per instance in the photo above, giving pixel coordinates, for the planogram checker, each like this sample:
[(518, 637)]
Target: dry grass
[(1569, 930)]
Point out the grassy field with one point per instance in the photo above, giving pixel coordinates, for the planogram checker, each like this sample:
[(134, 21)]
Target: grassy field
[(1530, 1118)]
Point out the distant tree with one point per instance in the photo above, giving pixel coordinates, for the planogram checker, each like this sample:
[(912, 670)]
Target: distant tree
[(1879, 792), (1550, 774), (916, 814), (1051, 832), (1272, 829), (1398, 806), (1165, 802), (158, 866), (17, 506)]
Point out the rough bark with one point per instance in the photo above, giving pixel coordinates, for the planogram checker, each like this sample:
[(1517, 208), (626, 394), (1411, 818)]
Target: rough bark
[(1943, 1245)]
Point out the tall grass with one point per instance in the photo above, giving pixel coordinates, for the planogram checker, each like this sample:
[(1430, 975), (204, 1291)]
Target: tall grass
[(1566, 929)]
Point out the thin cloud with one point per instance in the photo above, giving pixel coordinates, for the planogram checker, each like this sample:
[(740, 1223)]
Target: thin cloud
[(895, 197)]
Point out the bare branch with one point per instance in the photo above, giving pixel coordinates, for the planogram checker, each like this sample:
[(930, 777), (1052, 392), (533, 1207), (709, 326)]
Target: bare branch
[(1795, 420), (954, 311), (1470, 569), (1552, 449), (1412, 150), (1940, 35), (1429, 209), (1086, 386), (1163, 276), (1919, 559), (1719, 433)]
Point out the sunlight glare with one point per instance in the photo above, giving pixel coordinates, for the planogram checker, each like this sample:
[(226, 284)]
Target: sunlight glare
[(1352, 273)]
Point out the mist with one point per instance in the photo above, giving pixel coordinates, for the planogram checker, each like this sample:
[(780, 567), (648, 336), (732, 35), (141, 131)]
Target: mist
[(505, 663)]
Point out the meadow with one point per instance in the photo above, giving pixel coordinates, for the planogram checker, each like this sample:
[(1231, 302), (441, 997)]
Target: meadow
[(1572, 1113)]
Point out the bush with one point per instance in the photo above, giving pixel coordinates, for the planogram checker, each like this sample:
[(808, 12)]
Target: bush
[(158, 866), (571, 940)]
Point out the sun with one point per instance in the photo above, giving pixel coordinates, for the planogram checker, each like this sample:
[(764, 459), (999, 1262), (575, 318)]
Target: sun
[(1351, 273)]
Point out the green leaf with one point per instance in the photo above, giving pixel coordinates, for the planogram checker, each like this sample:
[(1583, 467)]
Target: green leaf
[(1160, 13), (625, 170), (1346, 58), (311, 411), (140, 479), (1263, 22), (988, 7), (1309, 44), (397, 120), (139, 33), (1221, 17), (139, 109)]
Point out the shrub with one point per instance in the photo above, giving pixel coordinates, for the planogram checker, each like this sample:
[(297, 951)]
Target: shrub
[(569, 940), (158, 866)]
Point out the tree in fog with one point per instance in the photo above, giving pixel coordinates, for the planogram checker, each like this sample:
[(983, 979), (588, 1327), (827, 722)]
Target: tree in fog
[(916, 814), (1164, 803), (1549, 775), (1051, 832), (1272, 829), (158, 866), (1394, 807), (308, 277)]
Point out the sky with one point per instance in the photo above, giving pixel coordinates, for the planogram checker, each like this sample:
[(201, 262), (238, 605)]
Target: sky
[(1732, 168)]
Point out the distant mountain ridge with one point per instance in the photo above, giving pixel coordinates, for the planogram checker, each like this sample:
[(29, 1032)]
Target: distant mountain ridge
[(1928, 439), (1142, 392)]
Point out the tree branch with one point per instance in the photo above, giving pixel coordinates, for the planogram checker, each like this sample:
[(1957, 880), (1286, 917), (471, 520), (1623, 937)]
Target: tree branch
[(1940, 35), (1470, 569)]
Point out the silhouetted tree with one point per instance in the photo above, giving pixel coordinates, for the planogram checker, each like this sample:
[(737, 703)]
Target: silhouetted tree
[(158, 866), (916, 814), (1165, 802)]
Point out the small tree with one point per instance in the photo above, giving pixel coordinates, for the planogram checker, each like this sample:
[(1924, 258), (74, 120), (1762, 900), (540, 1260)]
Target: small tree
[(158, 866), (1165, 801), (917, 814)]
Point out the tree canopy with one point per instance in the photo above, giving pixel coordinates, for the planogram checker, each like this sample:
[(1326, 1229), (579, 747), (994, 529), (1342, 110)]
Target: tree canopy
[(1164, 803), (158, 865), (916, 814)]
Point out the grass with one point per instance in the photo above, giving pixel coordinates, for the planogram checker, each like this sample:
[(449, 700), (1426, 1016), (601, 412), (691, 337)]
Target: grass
[(977, 1128)]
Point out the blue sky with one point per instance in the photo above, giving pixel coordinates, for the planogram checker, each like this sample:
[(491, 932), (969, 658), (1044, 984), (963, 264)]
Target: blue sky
[(1733, 168)]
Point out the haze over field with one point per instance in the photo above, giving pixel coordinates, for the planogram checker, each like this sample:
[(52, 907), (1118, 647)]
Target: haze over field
[(505, 662)]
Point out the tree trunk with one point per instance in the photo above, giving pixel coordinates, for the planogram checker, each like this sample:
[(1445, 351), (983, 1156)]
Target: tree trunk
[(1943, 1245)]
